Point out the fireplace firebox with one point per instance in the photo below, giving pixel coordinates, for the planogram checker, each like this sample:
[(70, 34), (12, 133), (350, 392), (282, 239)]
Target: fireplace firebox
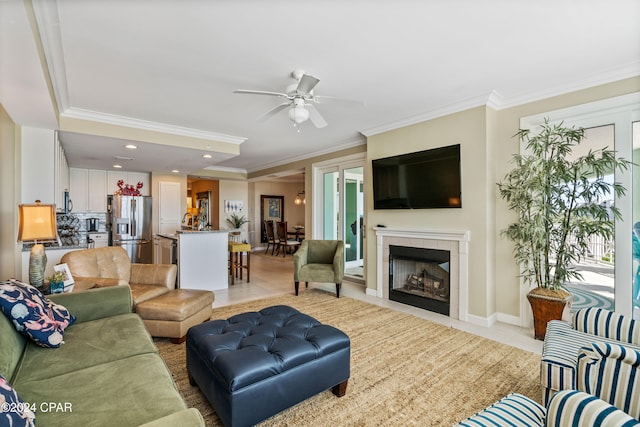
[(420, 277)]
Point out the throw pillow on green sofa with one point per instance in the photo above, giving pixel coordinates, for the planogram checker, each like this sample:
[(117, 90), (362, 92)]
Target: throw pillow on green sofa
[(13, 410), (34, 315)]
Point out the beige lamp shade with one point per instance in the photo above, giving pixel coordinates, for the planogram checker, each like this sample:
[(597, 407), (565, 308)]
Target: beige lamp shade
[(36, 222)]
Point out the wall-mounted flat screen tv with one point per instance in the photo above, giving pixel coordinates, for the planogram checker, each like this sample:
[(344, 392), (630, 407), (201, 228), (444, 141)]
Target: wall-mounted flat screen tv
[(428, 179)]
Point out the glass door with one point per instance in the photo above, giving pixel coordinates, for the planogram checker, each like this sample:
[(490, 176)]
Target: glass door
[(352, 232), (596, 287), (341, 210), (635, 250)]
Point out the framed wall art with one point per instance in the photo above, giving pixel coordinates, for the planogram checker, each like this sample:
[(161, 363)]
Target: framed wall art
[(233, 206), (271, 209)]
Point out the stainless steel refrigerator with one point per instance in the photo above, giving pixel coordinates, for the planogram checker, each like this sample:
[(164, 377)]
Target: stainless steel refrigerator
[(129, 226)]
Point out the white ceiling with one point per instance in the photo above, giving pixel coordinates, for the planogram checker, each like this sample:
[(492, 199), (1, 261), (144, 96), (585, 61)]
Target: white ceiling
[(172, 66)]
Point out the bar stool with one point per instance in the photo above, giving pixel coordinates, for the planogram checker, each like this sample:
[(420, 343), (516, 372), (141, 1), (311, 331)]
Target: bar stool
[(236, 260)]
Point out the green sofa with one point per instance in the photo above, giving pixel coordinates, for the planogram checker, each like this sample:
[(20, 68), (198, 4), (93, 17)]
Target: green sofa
[(108, 371)]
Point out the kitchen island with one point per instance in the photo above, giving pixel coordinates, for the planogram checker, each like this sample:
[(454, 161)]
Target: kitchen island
[(201, 258)]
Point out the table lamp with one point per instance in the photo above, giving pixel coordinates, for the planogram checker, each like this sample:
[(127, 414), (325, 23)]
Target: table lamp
[(37, 223)]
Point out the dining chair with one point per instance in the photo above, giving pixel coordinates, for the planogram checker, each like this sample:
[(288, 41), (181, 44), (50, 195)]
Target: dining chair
[(271, 236), (284, 243)]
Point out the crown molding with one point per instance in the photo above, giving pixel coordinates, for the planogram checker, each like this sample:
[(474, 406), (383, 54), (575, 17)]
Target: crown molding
[(492, 99), (78, 113), (498, 102), (224, 169), (48, 20), (348, 143), (610, 76)]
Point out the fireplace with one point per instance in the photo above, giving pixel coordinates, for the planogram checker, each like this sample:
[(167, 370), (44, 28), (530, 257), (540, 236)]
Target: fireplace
[(420, 277), (456, 242)]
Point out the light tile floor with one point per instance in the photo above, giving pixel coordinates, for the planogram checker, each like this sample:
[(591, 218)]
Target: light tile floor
[(271, 276)]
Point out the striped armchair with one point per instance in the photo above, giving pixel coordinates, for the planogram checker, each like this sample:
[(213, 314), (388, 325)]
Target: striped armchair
[(608, 395), (566, 408), (563, 343)]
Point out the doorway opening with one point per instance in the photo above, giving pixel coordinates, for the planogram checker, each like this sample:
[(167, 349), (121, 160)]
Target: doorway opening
[(339, 212)]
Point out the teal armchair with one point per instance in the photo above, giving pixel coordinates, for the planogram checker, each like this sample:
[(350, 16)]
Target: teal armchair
[(319, 261)]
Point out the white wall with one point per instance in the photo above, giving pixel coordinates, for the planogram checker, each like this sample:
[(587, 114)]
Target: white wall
[(10, 259), (235, 190)]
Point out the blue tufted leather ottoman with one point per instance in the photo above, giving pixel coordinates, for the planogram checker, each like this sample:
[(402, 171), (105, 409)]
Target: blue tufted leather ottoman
[(254, 365)]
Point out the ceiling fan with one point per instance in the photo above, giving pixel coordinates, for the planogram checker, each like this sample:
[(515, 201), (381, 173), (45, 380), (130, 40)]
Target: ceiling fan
[(300, 100)]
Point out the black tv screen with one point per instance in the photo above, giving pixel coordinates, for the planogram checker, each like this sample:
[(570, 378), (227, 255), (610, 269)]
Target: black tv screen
[(427, 179)]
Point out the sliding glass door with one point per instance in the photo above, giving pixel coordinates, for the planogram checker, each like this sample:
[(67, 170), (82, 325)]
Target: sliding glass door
[(341, 212), (635, 250)]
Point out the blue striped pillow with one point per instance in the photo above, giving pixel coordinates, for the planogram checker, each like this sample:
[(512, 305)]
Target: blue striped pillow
[(513, 410), (607, 324), (612, 373), (573, 408)]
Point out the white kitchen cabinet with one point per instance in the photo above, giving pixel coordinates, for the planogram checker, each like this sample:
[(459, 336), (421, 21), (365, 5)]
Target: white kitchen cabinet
[(112, 180), (128, 178), (38, 166), (97, 196), (136, 177), (61, 171), (88, 190), (79, 189), (169, 198)]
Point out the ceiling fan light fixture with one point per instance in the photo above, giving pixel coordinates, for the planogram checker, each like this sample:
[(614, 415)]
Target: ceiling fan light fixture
[(298, 114)]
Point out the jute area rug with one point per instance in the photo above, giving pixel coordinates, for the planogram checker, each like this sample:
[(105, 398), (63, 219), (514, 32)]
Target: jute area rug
[(404, 370)]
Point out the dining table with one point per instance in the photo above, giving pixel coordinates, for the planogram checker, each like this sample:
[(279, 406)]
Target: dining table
[(297, 233)]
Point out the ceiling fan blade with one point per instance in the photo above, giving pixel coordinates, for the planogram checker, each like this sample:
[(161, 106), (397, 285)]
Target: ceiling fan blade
[(321, 99), (307, 83), (260, 92), (272, 112), (315, 117)]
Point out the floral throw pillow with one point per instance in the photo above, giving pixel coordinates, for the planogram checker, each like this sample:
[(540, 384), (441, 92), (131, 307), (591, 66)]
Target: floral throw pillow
[(34, 315), (13, 410)]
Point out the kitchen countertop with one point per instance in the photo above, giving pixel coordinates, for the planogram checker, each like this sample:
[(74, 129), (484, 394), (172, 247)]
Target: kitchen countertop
[(178, 232), (27, 247), (167, 235), (200, 231)]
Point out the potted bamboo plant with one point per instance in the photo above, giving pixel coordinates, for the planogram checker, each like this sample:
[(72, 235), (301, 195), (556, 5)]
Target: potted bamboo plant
[(558, 196)]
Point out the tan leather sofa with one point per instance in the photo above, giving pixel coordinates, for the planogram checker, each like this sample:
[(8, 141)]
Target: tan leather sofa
[(166, 311)]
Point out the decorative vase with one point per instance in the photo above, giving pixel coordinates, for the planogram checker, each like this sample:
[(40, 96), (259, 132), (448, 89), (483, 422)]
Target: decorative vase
[(546, 306), (56, 287), (37, 265)]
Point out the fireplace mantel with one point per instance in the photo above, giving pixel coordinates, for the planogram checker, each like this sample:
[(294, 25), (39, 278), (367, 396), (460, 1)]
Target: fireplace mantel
[(456, 241), (424, 233)]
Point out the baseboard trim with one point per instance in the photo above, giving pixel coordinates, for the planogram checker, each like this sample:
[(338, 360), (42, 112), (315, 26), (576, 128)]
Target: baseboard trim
[(509, 319)]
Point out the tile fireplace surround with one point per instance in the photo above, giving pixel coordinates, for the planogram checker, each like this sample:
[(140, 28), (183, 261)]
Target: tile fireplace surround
[(454, 241)]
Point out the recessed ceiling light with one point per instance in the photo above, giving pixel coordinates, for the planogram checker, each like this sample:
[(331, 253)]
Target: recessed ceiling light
[(175, 171), (131, 146), (117, 166), (207, 156)]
